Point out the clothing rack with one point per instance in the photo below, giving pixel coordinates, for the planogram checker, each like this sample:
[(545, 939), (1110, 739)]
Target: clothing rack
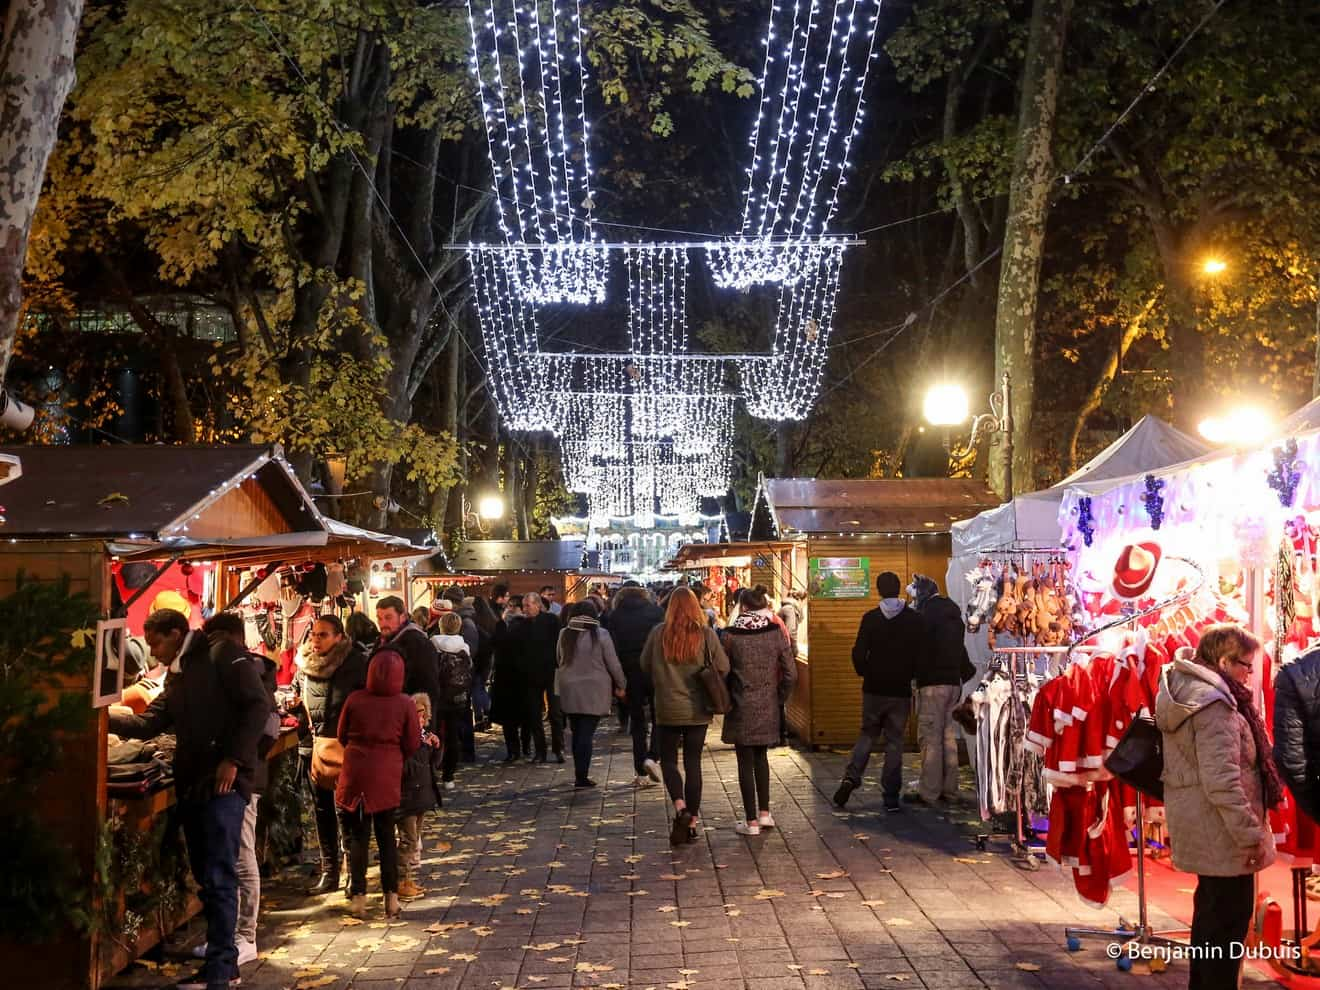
[(1142, 933), (1027, 855)]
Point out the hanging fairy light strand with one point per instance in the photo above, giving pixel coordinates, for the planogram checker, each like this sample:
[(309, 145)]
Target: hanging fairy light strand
[(550, 193)]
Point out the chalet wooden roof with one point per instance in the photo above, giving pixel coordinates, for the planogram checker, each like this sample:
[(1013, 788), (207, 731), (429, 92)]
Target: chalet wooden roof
[(793, 506), (142, 492)]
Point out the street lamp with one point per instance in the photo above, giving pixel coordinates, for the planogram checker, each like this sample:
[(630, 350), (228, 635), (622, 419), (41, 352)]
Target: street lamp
[(1214, 266), (489, 508), (947, 406), (1241, 427)]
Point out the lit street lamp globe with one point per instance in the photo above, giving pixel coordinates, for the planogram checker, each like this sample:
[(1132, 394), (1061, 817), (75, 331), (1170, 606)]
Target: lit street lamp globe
[(946, 405), (491, 507), (1240, 427)]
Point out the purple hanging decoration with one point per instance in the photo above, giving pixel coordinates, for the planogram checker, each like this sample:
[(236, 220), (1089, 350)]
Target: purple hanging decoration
[(1085, 521), (1286, 474), (1154, 500)]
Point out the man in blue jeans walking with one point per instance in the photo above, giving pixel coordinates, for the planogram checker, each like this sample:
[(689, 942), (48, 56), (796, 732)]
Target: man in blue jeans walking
[(216, 704), (891, 642)]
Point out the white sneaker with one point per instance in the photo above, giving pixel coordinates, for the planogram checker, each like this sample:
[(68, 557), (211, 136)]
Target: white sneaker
[(653, 770), (747, 828), (766, 820), (449, 785), (247, 951), (643, 782)]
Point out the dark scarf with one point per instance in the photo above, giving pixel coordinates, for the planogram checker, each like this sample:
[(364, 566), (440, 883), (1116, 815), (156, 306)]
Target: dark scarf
[(1269, 773)]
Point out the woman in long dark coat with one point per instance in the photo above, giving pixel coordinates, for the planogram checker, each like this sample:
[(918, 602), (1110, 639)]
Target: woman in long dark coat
[(507, 683), (761, 675)]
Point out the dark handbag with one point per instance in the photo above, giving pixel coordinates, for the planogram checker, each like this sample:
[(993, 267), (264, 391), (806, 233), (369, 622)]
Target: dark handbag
[(717, 691), (1138, 759)]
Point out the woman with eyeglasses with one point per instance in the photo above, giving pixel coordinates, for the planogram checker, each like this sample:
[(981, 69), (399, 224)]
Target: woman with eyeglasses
[(1219, 782)]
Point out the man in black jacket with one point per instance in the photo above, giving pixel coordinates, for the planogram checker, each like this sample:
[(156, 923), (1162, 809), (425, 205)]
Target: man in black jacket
[(632, 617), (892, 642), (541, 643), (421, 663), (1297, 730), (939, 689), (218, 708)]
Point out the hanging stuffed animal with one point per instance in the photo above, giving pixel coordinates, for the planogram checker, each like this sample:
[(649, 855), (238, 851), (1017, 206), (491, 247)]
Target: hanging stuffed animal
[(983, 596)]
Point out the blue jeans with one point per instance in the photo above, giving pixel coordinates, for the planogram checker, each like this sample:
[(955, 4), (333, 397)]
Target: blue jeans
[(213, 830), (882, 718)]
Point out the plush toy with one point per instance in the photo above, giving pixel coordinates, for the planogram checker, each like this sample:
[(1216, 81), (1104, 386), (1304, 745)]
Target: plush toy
[(982, 602)]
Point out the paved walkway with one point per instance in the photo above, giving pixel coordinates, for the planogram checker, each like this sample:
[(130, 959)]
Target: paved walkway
[(533, 885)]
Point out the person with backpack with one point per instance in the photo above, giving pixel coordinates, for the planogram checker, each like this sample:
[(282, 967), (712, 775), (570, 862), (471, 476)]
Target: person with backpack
[(673, 658), (419, 795), (455, 675), (587, 680), (762, 670)]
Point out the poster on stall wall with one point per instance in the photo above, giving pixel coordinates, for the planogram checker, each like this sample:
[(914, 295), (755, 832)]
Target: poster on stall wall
[(839, 577)]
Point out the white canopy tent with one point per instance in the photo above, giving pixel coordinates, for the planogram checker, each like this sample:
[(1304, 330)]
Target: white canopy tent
[(1031, 521)]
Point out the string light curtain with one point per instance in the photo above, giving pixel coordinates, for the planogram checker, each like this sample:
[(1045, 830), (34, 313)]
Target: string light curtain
[(532, 90)]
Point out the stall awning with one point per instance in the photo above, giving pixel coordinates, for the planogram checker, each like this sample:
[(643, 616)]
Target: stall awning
[(691, 556), (508, 557)]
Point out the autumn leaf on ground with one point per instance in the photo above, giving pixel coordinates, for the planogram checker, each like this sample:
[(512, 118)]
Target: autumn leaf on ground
[(543, 947), (898, 922), (350, 922), (463, 957), (558, 959), (438, 971), (638, 893), (485, 931), (818, 972), (586, 967), (320, 981), (688, 972), (537, 979), (733, 913), (667, 908), (835, 895), (873, 904), (898, 977), (530, 892), (680, 924), (1027, 967), (834, 875), (444, 847), (441, 927), (794, 967), (633, 859), (673, 876), (765, 895), (494, 900), (302, 974), (523, 911)]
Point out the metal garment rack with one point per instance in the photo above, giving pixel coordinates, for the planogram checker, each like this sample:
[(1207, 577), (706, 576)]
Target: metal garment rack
[(1027, 854), (1141, 933)]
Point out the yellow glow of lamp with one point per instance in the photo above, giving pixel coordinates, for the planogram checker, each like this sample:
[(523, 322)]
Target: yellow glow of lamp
[(946, 405), (491, 507), (1242, 427), (1214, 266)]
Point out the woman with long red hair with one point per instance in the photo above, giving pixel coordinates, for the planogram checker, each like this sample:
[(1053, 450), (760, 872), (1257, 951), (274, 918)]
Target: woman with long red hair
[(672, 660)]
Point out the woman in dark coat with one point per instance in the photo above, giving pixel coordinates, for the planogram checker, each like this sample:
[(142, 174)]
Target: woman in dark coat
[(761, 675), (507, 678), (334, 669), (379, 730)]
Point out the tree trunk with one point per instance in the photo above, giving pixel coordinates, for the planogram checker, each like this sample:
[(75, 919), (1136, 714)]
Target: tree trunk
[(36, 74), (1024, 234), (1135, 328), (512, 486)]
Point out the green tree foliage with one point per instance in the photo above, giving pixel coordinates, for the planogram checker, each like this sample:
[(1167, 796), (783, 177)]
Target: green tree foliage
[(303, 164)]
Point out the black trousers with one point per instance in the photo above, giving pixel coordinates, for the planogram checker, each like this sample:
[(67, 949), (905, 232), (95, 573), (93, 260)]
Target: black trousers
[(583, 728), (358, 826), (327, 829), (517, 739), (753, 779), (1221, 915), (693, 739), (640, 723), (451, 724)]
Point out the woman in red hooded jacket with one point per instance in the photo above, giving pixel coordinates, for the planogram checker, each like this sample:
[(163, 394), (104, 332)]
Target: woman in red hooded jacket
[(379, 730)]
